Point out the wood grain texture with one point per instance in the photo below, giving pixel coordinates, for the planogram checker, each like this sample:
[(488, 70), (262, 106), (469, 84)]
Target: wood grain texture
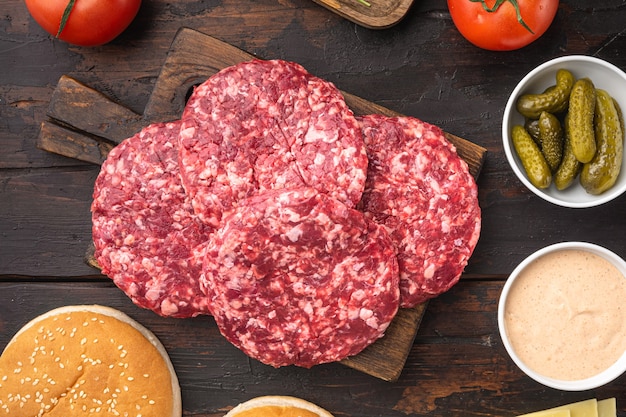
[(456, 367), (377, 14), (193, 58), (420, 67)]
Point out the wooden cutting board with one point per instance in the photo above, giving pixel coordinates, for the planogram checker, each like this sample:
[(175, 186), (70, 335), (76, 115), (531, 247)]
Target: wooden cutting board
[(376, 14), (85, 124)]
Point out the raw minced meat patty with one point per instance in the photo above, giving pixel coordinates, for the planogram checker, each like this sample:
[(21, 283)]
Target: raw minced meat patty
[(422, 192), (262, 125), (147, 238), (296, 277)]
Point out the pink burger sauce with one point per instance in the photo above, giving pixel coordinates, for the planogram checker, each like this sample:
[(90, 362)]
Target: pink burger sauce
[(565, 315)]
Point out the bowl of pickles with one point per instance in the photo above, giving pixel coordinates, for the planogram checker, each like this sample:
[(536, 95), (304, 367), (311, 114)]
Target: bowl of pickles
[(563, 131)]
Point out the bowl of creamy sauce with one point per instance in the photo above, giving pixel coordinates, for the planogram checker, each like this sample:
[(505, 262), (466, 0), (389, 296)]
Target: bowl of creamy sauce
[(562, 316)]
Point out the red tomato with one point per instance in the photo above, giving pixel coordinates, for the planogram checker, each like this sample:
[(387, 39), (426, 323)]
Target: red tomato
[(498, 29), (90, 22)]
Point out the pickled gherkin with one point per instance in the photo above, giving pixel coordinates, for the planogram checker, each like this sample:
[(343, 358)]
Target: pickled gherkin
[(620, 115), (570, 167), (532, 127), (551, 136), (582, 103), (601, 173), (533, 161), (552, 100)]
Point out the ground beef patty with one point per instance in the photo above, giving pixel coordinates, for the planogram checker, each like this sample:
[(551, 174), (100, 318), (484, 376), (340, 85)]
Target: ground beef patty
[(145, 233), (263, 125), (296, 277), (422, 192)]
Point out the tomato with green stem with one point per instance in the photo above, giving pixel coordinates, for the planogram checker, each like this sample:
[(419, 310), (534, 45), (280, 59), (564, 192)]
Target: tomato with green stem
[(502, 25), (84, 22)]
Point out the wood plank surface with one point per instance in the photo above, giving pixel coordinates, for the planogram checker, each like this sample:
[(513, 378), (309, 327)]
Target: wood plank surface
[(421, 67), (193, 58), (456, 346)]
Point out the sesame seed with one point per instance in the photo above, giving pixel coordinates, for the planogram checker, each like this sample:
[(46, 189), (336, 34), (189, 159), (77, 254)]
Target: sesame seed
[(146, 375), (151, 402)]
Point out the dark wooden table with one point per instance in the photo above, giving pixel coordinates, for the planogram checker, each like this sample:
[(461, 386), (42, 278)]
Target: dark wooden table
[(420, 67)]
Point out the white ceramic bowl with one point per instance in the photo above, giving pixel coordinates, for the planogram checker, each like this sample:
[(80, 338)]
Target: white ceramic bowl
[(605, 76), (606, 376)]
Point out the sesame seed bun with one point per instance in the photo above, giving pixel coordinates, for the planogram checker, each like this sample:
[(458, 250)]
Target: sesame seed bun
[(87, 360), (277, 406)]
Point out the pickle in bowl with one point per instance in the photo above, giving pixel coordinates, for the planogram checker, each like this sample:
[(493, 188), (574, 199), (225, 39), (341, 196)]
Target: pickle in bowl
[(557, 105)]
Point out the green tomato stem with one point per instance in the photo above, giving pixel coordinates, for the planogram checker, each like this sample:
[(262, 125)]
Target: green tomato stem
[(498, 4), (66, 15)]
